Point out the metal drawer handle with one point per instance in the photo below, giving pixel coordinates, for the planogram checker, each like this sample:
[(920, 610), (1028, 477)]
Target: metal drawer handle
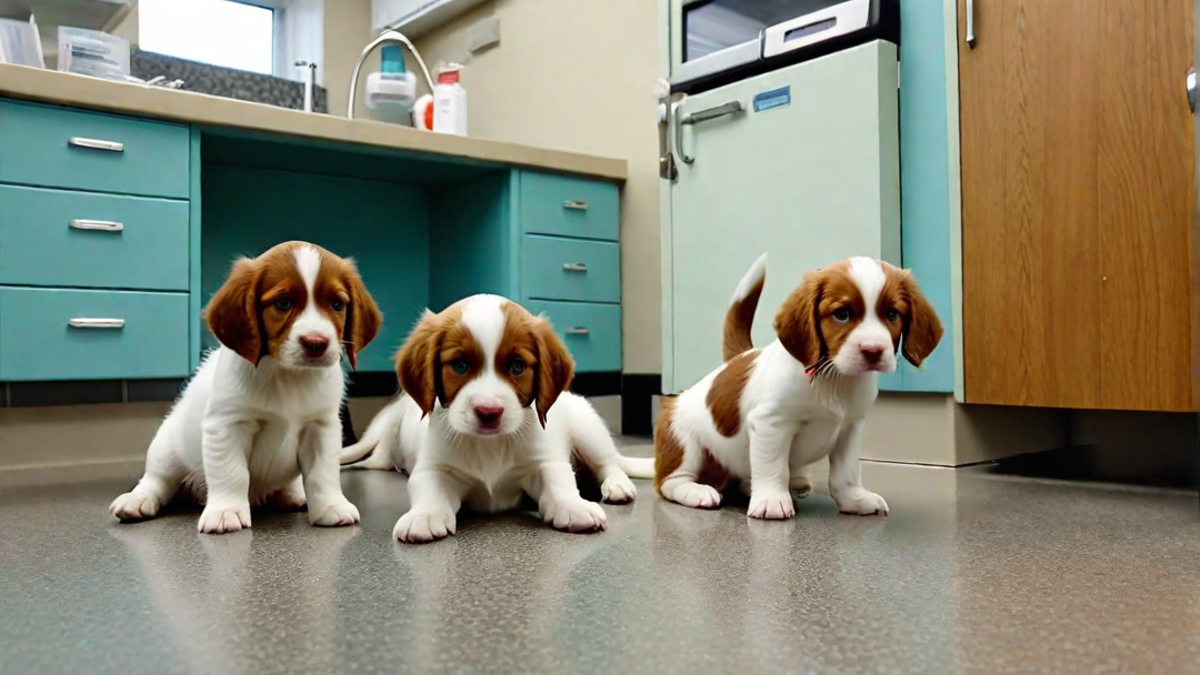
[(96, 323), (577, 330), (575, 205), (97, 225), (96, 144), (575, 267)]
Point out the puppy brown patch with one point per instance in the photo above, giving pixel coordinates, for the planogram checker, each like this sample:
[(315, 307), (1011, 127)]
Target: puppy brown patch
[(668, 451), (419, 359), (725, 394), (810, 322), (739, 321), (460, 359), (253, 311), (918, 323), (549, 367), (341, 295)]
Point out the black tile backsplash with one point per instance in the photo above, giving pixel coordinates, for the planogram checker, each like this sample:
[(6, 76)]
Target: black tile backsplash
[(228, 82)]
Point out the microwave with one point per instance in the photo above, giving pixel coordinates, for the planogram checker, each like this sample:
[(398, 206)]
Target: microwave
[(715, 42)]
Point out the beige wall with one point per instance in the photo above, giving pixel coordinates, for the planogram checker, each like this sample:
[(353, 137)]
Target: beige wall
[(347, 31), (578, 75)]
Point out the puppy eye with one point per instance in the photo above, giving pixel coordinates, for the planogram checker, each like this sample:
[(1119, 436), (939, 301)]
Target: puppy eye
[(338, 305), (283, 304), (892, 315), (516, 366), (460, 366), (841, 314)]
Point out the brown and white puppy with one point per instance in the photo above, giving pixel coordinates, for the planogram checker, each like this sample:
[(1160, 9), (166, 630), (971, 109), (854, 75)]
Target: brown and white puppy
[(486, 418), (259, 420), (766, 414)]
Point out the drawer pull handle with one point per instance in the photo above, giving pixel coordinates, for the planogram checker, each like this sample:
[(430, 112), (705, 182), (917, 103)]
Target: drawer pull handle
[(96, 144), (96, 323), (577, 330), (575, 205), (97, 225), (575, 267)]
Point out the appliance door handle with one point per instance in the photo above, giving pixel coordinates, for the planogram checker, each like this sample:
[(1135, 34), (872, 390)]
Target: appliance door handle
[(970, 24), (729, 108), (1191, 88), (97, 225), (82, 322), (96, 144)]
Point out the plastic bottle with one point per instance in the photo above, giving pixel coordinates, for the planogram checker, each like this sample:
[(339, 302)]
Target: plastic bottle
[(449, 102)]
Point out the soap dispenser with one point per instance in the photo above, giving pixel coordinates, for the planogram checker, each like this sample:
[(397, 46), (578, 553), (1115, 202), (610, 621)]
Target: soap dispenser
[(392, 91)]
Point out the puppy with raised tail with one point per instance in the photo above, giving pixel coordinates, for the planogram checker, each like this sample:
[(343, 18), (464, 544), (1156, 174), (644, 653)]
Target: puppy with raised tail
[(258, 423), (485, 419), (766, 414)]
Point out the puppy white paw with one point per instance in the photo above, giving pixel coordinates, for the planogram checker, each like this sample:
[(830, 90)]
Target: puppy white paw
[(698, 496), (772, 506), (221, 518), (132, 506), (575, 516), (618, 489), (335, 515), (415, 528), (861, 502)]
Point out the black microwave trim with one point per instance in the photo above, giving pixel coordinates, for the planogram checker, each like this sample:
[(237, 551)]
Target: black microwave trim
[(884, 25)]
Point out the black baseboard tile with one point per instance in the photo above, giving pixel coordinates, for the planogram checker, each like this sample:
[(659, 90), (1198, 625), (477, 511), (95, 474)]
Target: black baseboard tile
[(637, 401), (70, 392), (372, 384)]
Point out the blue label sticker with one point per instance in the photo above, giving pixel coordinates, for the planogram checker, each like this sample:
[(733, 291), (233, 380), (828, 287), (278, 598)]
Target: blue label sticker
[(769, 100)]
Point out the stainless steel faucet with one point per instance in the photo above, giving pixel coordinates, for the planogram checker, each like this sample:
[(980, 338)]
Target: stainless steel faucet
[(387, 36), (310, 77)]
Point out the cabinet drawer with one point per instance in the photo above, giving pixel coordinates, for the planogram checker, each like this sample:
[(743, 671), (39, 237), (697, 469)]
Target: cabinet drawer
[(58, 238), (55, 147), (591, 332), (569, 207), (571, 269), (38, 342)]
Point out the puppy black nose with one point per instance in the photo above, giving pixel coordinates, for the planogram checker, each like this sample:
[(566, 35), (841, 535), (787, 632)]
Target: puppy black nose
[(872, 355), (314, 346), (488, 415)]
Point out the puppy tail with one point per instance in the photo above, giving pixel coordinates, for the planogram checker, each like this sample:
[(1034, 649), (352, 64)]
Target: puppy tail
[(374, 449), (739, 318), (637, 467)]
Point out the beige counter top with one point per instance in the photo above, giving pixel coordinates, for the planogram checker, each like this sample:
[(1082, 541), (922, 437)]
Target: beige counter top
[(67, 89)]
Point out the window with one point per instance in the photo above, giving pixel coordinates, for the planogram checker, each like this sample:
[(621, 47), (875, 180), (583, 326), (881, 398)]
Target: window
[(221, 32)]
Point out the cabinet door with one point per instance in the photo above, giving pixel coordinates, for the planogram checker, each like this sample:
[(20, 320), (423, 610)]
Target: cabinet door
[(808, 173), (1077, 166)]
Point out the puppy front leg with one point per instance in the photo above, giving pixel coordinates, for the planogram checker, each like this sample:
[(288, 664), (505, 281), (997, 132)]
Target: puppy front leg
[(770, 490), (845, 476), (435, 495), (558, 498), (225, 447), (319, 450)]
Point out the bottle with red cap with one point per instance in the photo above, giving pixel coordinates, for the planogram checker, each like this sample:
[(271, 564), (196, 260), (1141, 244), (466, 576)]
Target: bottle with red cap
[(449, 102)]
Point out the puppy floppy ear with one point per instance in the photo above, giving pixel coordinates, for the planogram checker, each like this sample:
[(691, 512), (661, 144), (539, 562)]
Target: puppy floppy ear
[(232, 313), (363, 317), (555, 367), (797, 324), (922, 328), (417, 362)]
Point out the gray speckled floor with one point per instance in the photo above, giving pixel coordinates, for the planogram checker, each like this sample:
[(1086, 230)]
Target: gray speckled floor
[(972, 573)]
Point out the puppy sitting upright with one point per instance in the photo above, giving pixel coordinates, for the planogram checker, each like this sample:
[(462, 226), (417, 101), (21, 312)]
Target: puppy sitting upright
[(259, 421), (487, 373), (768, 413)]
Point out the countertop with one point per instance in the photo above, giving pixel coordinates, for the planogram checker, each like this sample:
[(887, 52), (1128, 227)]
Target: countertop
[(969, 574), (67, 89)]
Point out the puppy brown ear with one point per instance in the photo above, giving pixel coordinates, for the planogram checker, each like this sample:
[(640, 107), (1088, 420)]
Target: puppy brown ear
[(417, 362), (232, 313), (555, 367), (797, 324), (363, 317), (922, 328)]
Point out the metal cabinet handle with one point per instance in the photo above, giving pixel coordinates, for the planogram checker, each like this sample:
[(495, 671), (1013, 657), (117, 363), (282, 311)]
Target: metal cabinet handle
[(575, 205), (577, 330), (730, 108), (970, 24), (1191, 88), (97, 225), (575, 267), (96, 323), (96, 144)]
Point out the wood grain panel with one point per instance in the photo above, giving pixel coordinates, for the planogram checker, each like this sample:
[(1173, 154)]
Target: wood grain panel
[(1061, 307)]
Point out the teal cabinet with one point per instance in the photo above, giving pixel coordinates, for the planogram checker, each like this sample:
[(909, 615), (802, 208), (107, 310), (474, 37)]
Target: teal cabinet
[(591, 332), (572, 269), (81, 239), (55, 147), (569, 207), (63, 334)]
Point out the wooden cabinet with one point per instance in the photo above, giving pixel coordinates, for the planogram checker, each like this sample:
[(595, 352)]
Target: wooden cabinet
[(1079, 250)]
